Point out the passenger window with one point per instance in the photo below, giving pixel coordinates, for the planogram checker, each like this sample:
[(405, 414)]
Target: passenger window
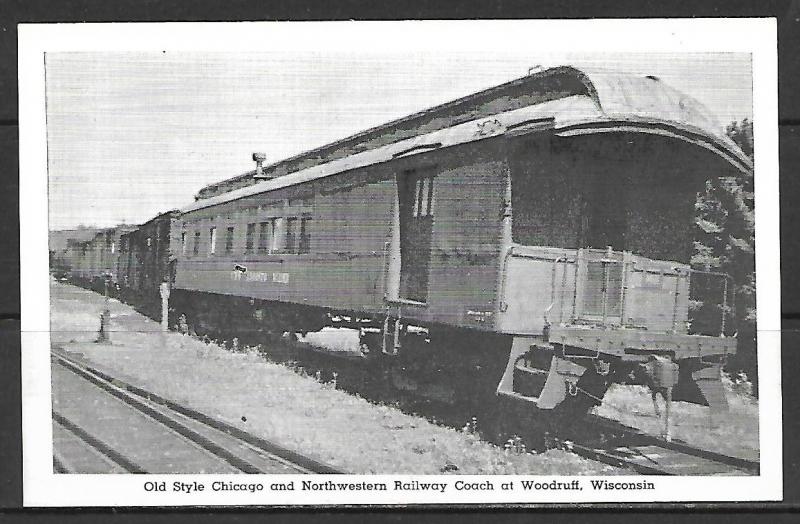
[(291, 224), (251, 233), (264, 233), (278, 235), (423, 197), (305, 234), (229, 240)]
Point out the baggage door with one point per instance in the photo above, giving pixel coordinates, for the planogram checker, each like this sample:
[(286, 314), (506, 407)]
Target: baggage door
[(416, 227)]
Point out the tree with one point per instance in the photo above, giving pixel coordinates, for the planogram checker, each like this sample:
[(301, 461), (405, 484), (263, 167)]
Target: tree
[(725, 242)]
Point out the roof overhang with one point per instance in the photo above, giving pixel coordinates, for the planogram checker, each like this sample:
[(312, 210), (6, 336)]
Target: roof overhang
[(732, 155), (570, 116)]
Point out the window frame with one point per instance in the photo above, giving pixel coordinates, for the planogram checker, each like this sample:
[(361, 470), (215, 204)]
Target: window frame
[(250, 238), (423, 191), (230, 237), (265, 232), (196, 247), (304, 234), (278, 245), (290, 244), (212, 240)]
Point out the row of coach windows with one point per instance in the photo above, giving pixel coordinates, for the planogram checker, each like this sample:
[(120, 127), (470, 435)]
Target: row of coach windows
[(280, 235)]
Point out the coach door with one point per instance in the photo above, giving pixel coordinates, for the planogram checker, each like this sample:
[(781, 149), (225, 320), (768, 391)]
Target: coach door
[(416, 227)]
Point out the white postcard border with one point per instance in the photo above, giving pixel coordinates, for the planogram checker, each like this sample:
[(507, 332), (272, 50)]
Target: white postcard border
[(43, 488)]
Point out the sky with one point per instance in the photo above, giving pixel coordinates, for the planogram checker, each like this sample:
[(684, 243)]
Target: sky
[(133, 134)]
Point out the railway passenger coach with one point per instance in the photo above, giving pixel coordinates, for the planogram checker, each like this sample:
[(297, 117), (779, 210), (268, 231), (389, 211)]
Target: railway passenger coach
[(91, 256), (535, 237)]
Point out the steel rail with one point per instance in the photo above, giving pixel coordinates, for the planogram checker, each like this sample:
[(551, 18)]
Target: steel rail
[(605, 457), (95, 443), (128, 393), (748, 466)]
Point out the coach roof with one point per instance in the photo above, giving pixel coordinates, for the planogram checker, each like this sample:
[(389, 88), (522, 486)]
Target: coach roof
[(573, 101)]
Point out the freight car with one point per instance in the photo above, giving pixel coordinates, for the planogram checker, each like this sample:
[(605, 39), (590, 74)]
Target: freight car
[(537, 234)]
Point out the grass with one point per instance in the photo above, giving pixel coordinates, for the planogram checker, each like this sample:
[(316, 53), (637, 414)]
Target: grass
[(273, 402)]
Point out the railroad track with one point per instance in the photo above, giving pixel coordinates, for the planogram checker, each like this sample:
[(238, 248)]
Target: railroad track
[(650, 455), (629, 448), (131, 430)]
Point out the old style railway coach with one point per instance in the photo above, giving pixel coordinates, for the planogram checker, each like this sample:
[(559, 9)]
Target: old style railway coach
[(93, 262), (540, 232)]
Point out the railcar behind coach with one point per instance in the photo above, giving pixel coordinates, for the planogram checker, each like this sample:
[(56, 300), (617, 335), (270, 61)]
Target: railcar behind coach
[(540, 232), (146, 259), (91, 262)]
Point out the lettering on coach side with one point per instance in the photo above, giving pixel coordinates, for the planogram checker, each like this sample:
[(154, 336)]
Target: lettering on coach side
[(282, 278), (259, 276)]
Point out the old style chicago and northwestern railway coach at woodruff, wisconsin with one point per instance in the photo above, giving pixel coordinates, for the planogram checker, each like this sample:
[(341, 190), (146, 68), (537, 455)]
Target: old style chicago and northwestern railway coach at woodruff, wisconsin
[(532, 239)]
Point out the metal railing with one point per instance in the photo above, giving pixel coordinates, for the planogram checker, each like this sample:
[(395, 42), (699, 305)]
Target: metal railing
[(727, 304), (559, 259), (601, 297)]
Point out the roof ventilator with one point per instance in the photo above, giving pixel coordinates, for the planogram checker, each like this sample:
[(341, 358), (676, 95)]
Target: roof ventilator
[(259, 159)]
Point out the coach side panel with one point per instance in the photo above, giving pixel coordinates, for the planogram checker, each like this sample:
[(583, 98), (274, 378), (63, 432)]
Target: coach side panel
[(335, 258), (352, 228), (468, 189), (349, 221)]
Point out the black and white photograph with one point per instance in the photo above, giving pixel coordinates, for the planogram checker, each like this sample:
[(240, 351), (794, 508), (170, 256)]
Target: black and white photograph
[(400, 263)]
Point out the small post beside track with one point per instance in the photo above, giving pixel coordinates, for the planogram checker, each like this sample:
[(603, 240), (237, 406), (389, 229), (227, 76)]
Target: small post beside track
[(103, 336), (103, 333), (164, 290)]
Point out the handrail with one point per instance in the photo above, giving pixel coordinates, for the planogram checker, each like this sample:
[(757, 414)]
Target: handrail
[(385, 272), (553, 286), (659, 271), (543, 258), (501, 299), (561, 298), (623, 290), (724, 305), (604, 290), (575, 285), (675, 304)]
